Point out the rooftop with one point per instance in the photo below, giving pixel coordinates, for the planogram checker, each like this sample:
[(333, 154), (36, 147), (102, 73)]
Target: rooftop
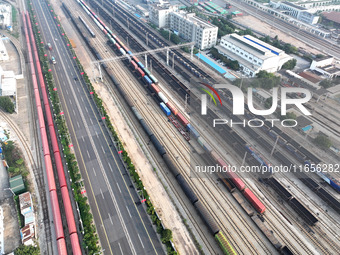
[(333, 16), (17, 184), (303, 121), (191, 17), (294, 5), (310, 76), (254, 46), (25, 201)]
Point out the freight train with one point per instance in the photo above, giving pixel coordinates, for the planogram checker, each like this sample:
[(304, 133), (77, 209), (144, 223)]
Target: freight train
[(259, 207), (58, 225), (148, 78), (210, 222)]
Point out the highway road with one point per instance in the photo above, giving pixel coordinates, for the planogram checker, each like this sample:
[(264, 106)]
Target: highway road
[(123, 227)]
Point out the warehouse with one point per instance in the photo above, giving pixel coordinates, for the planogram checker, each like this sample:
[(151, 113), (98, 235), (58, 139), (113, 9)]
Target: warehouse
[(252, 54)]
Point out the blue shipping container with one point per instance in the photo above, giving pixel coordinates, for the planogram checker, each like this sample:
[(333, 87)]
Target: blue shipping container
[(193, 131), (140, 65), (165, 109), (147, 80)]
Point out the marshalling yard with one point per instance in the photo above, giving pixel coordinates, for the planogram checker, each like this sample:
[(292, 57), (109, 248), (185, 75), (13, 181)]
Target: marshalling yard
[(151, 91)]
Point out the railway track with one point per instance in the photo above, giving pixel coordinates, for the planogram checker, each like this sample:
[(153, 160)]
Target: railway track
[(102, 50), (37, 170), (134, 93)]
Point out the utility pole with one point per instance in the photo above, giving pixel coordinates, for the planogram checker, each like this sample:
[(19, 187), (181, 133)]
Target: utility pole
[(277, 139), (146, 61)]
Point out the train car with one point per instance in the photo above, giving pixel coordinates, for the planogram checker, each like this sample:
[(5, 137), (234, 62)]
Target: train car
[(173, 169), (244, 204), (122, 51), (165, 109), (267, 232), (259, 158), (163, 97), (193, 131), (140, 65), (146, 71), (117, 45), (155, 88), (158, 145), (204, 144), (249, 195), (172, 108), (133, 65), (224, 244), (147, 80), (140, 72), (153, 78), (186, 188), (206, 216), (182, 119)]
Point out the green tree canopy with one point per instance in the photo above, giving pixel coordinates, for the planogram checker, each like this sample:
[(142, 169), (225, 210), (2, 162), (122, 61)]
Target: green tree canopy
[(289, 65), (326, 84), (166, 235), (323, 142), (27, 250), (6, 104)]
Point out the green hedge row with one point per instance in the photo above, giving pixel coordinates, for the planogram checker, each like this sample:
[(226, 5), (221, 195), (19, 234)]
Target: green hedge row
[(90, 237), (166, 234)]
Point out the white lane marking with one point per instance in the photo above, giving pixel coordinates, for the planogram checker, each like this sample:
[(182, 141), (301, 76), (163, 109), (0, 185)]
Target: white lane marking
[(78, 89), (110, 219), (68, 66), (83, 139), (119, 188), (82, 99), (141, 241), (67, 92), (78, 124), (86, 108), (128, 211), (74, 112), (120, 247), (103, 148), (101, 192), (94, 171), (88, 154), (70, 102), (98, 138), (91, 121), (110, 167)]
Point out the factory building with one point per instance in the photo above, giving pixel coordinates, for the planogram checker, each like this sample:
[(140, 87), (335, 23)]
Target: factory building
[(252, 54)]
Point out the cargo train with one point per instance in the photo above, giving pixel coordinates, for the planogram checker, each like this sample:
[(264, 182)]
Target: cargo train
[(58, 225)]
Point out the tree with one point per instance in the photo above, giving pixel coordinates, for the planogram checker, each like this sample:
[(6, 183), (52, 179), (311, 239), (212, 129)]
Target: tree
[(175, 39), (326, 84), (166, 235), (323, 142), (6, 104), (268, 103), (27, 250), (266, 80), (289, 65)]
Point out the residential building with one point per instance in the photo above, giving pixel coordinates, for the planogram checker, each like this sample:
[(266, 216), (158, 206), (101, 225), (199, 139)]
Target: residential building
[(26, 207), (194, 29), (252, 54), (160, 14)]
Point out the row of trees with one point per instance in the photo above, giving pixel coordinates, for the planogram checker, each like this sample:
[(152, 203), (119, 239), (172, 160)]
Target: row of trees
[(90, 237), (232, 64)]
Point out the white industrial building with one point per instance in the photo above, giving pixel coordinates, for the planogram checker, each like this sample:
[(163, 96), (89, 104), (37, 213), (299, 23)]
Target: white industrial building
[(186, 25), (194, 29), (326, 67), (296, 11), (252, 54)]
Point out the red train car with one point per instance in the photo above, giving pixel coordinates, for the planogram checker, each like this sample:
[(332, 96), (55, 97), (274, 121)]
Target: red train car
[(155, 88), (141, 73), (172, 108), (134, 65), (249, 195), (234, 178), (182, 119)]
